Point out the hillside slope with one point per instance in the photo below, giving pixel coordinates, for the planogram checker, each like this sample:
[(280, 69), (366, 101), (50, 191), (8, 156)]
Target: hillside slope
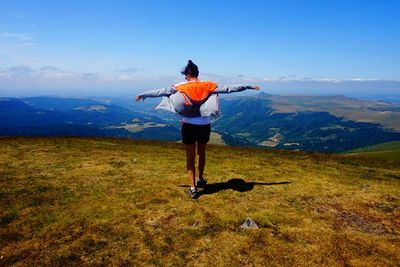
[(302, 123), (333, 124), (86, 201), (388, 150), (388, 146)]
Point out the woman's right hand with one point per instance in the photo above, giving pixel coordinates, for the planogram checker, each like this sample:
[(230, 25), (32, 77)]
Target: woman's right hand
[(138, 98), (256, 87)]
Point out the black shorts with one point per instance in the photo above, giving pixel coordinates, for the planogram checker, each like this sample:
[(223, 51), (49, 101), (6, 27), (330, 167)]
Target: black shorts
[(192, 133)]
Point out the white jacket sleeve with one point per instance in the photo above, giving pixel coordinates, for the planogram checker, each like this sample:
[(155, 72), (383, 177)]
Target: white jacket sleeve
[(227, 89), (159, 92)]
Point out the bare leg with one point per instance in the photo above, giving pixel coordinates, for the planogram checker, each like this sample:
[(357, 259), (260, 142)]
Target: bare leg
[(190, 166), (201, 158)]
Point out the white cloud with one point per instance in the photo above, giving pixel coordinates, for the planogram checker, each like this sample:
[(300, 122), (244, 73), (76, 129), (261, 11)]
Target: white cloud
[(237, 79), (20, 69), (90, 76), (327, 80), (18, 36), (24, 80), (49, 68), (53, 75), (8, 39), (129, 70), (45, 77)]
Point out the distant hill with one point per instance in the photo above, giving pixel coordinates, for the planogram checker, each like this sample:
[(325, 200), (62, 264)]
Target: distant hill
[(389, 146), (312, 123), (389, 150), (121, 202), (371, 111), (58, 103), (259, 122), (52, 116)]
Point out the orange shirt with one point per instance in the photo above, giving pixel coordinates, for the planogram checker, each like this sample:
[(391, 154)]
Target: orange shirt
[(197, 90)]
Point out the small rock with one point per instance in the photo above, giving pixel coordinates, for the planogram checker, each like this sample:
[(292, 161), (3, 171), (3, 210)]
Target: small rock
[(249, 224), (365, 188), (196, 224)]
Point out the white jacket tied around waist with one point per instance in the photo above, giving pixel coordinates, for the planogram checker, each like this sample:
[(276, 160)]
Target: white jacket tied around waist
[(193, 98)]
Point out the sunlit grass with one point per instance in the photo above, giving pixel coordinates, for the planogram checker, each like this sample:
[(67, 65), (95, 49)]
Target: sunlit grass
[(83, 201)]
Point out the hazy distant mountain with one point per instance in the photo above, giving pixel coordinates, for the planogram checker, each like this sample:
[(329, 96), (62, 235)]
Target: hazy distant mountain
[(317, 123), (306, 122), (51, 116)]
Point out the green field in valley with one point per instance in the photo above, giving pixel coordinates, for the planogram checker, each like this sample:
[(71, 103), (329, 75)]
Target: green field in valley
[(389, 150)]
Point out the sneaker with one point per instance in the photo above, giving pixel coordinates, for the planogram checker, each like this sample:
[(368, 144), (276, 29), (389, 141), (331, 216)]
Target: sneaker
[(201, 182), (193, 193)]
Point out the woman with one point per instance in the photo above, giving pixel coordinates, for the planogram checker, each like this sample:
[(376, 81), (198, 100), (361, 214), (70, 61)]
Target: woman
[(196, 101)]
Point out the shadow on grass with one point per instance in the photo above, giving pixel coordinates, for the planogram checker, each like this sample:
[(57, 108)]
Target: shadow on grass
[(236, 184)]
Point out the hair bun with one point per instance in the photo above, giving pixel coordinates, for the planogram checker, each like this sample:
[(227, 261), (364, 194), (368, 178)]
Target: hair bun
[(191, 69)]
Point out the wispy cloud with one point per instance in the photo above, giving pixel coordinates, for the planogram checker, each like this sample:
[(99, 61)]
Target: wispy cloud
[(49, 68), (16, 39), (53, 80), (129, 70), (21, 69), (46, 76), (292, 78)]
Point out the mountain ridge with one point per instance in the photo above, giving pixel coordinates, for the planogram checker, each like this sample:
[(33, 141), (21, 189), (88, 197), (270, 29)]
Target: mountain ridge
[(312, 123)]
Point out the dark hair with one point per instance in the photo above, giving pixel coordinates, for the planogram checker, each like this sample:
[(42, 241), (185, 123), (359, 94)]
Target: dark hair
[(191, 69)]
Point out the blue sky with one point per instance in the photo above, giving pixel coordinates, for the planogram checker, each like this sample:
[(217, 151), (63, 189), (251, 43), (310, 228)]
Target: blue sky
[(286, 46)]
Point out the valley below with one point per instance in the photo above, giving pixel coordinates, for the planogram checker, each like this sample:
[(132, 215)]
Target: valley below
[(309, 123)]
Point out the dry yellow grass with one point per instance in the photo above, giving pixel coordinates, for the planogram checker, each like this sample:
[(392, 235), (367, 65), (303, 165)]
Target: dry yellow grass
[(86, 201)]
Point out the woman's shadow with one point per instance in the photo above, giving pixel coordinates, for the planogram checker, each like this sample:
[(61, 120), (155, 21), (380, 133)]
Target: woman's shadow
[(236, 184)]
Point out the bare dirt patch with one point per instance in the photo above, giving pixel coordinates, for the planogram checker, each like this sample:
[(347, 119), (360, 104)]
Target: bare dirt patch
[(361, 223)]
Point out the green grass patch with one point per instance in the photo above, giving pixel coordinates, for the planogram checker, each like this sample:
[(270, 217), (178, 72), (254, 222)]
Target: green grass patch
[(388, 146)]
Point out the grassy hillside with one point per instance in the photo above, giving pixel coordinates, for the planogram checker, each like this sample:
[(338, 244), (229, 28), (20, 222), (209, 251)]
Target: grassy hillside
[(388, 150), (83, 201), (303, 129), (371, 111), (388, 146)]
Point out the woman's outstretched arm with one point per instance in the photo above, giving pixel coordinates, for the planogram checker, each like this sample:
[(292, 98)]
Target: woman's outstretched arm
[(227, 89), (156, 93)]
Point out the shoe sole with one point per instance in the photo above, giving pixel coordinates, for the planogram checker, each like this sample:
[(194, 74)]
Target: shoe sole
[(194, 196)]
